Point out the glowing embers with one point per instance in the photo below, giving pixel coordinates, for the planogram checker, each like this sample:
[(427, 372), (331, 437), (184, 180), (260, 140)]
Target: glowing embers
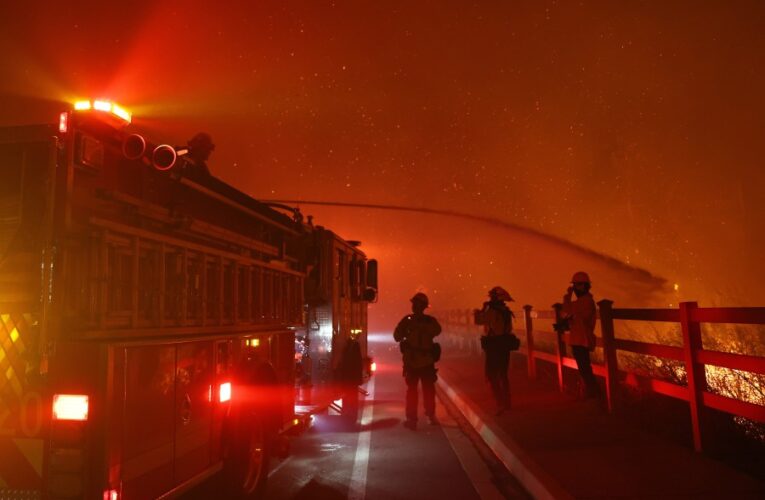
[(106, 107), (70, 407)]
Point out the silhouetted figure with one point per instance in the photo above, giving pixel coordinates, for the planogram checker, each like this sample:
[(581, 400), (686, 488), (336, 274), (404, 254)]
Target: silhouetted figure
[(200, 147), (497, 342), (581, 322), (350, 376), (415, 333)]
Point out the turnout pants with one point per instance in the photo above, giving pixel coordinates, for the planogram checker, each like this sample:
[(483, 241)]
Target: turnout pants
[(426, 376), (351, 402), (497, 364), (582, 357)]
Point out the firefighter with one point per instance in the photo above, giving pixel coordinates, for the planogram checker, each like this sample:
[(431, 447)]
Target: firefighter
[(350, 376), (200, 147), (415, 332), (497, 344), (581, 318)]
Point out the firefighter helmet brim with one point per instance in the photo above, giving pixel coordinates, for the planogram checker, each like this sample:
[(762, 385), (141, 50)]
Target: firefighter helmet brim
[(500, 293), (580, 277), (420, 298)]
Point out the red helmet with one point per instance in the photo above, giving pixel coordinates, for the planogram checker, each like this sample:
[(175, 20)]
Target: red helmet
[(500, 293), (580, 277)]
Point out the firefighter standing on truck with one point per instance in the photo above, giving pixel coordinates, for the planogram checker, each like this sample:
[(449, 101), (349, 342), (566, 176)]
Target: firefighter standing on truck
[(581, 321), (415, 332), (200, 147)]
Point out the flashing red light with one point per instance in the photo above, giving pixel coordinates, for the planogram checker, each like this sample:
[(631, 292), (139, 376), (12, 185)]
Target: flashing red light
[(111, 495), (373, 367), (63, 122), (224, 393), (70, 407)]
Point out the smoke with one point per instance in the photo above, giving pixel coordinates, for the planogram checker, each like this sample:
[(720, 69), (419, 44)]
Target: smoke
[(641, 276), (455, 257)]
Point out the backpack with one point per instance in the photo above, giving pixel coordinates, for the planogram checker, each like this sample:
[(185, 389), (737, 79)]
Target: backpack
[(436, 352)]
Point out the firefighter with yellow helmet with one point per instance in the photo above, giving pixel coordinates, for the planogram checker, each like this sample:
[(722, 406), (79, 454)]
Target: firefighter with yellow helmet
[(415, 333), (581, 317), (497, 343)]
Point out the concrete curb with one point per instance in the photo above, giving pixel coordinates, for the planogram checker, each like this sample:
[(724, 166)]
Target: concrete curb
[(536, 481)]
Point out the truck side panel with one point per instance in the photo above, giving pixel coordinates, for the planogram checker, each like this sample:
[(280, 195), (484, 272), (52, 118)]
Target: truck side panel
[(194, 396), (149, 422), (27, 162)]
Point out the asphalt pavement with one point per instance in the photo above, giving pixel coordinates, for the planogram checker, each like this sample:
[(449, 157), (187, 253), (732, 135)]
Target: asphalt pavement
[(559, 446), (379, 458)]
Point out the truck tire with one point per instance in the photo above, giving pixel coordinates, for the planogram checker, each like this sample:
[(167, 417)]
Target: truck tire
[(245, 468), (249, 433)]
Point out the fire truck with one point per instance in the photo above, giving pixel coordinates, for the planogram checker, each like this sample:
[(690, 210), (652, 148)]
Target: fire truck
[(149, 314)]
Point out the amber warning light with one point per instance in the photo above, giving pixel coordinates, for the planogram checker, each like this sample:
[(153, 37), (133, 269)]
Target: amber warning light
[(104, 106), (70, 407)]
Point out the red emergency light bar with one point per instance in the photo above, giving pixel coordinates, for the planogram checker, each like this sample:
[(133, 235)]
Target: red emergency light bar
[(105, 107)]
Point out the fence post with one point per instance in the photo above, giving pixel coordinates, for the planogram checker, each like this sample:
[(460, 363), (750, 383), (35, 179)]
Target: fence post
[(609, 350), (560, 347), (469, 333), (531, 361), (697, 382)]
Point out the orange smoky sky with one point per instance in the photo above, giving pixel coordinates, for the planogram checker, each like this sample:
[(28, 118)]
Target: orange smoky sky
[(631, 129)]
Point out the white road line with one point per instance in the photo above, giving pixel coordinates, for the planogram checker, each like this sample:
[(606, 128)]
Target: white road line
[(276, 469), (358, 486), (472, 463)]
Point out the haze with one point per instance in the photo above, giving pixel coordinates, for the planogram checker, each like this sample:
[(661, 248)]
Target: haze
[(627, 131)]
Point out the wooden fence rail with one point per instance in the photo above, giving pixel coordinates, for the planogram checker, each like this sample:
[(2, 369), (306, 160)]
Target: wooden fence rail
[(692, 353)]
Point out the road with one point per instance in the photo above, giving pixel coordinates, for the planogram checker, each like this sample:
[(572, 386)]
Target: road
[(381, 459)]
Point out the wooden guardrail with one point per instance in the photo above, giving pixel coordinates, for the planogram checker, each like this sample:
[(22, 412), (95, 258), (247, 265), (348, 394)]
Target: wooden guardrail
[(692, 353)]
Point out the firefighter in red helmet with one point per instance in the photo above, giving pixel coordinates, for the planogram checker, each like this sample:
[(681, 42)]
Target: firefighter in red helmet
[(581, 316), (415, 332)]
